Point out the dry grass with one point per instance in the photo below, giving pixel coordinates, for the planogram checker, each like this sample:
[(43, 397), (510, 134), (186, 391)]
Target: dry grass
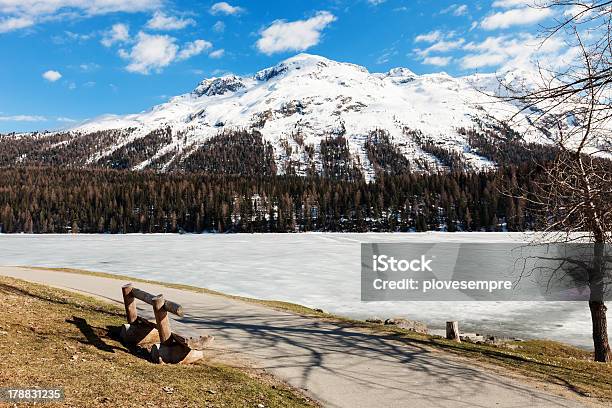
[(54, 338), (551, 362)]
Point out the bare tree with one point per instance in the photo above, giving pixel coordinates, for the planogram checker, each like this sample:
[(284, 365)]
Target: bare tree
[(571, 106)]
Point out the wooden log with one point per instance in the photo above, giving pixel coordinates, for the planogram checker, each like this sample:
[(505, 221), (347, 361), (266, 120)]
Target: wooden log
[(174, 354), (161, 317), (146, 297), (142, 295), (130, 305), (139, 334), (194, 343), (174, 308), (452, 331)]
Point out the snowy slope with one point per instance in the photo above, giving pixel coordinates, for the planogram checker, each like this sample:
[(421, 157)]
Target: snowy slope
[(316, 97)]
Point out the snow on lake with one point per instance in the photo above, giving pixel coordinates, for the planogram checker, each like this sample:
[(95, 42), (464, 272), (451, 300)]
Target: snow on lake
[(316, 270)]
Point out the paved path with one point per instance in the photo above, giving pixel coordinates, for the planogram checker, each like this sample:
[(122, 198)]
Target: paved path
[(337, 366)]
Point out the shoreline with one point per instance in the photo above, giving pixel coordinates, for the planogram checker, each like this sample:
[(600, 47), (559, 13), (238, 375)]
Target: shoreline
[(302, 310)]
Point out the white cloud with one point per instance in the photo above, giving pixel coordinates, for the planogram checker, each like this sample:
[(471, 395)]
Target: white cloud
[(504, 52), (217, 53), (225, 8), (117, 34), (151, 52), (77, 36), (34, 118), (51, 75), (15, 23), (473, 61), (579, 12), (219, 27), (90, 66), (513, 3), (70, 36), (437, 61), (90, 7), (461, 10), (163, 22), (430, 37), (519, 51), (456, 9), (22, 118), (440, 47), (386, 55), (514, 17), (376, 2), (25, 13), (441, 43), (295, 35), (65, 119), (193, 48), (444, 46)]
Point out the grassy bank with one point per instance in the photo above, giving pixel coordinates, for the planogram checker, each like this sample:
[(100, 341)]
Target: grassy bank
[(55, 338), (568, 367)]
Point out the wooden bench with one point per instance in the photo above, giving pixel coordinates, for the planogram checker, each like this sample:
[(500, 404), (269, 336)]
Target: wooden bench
[(167, 347)]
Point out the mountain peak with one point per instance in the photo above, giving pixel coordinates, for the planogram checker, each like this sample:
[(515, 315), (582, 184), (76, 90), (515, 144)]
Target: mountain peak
[(300, 103), (219, 85), (401, 72), (305, 57), (298, 62)]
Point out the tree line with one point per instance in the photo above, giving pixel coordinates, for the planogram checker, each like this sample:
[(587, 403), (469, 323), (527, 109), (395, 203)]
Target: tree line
[(61, 200)]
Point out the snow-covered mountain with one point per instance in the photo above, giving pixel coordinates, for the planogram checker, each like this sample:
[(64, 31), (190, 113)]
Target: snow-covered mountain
[(298, 104)]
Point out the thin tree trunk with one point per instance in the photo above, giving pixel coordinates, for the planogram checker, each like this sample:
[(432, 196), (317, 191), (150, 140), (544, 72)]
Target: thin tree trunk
[(596, 278), (600, 331)]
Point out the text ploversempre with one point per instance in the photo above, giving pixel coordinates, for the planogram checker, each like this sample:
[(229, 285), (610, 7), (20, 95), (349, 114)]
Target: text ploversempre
[(435, 284)]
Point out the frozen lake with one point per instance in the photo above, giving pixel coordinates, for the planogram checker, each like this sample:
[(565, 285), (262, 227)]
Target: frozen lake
[(316, 270)]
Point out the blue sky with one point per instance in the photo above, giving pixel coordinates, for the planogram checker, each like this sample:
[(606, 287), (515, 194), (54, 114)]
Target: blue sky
[(65, 61)]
